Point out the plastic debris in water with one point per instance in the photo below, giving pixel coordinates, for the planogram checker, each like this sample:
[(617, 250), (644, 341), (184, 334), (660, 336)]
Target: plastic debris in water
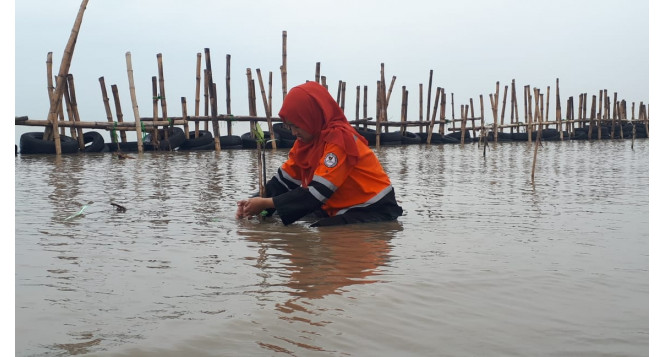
[(77, 213)]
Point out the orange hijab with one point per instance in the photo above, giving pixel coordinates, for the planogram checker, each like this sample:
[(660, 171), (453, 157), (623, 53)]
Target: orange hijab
[(310, 107)]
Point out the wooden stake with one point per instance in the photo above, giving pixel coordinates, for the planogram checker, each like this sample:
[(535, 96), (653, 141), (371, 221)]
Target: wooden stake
[(197, 100), (229, 125), (268, 113), (433, 116), (284, 67), (72, 96), (429, 94), (132, 92), (213, 100), (118, 111), (51, 132)]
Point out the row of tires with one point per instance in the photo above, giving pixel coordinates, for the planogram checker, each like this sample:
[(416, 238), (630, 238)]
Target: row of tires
[(32, 143)]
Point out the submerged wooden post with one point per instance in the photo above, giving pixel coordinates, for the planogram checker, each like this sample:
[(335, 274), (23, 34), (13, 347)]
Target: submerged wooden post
[(132, 92)]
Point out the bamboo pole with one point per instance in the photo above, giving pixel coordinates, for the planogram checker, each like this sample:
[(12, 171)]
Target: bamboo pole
[(70, 113), (357, 103), (615, 112), (515, 107), (429, 94), (132, 92), (229, 125), (49, 75), (494, 112), (118, 110), (284, 66), (433, 116), (472, 115), (74, 104), (403, 109), (453, 121), (483, 135), (529, 112), (183, 101), (51, 132), (266, 105), (197, 100), (162, 92), (364, 103), (317, 72), (104, 96), (343, 96), (155, 112), (107, 107), (464, 116), (421, 106), (213, 99), (206, 96), (443, 106), (502, 114)]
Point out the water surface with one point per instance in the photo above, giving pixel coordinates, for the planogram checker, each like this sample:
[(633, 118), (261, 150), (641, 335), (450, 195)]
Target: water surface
[(483, 262)]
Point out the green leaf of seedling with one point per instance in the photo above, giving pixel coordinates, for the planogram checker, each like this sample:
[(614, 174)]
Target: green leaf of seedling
[(258, 133), (263, 213)]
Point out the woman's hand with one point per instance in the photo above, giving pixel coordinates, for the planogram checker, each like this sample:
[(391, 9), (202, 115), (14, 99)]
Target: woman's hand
[(253, 206)]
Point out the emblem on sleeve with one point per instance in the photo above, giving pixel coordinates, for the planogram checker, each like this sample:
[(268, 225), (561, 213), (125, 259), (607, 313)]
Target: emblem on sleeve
[(331, 160)]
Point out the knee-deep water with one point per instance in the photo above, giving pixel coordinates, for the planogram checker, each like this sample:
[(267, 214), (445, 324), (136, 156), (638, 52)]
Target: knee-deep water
[(484, 261)]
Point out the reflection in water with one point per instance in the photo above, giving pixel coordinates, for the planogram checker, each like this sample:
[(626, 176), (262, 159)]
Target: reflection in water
[(322, 262)]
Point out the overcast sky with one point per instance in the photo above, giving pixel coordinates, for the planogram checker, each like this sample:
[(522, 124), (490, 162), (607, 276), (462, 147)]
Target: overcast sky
[(469, 45)]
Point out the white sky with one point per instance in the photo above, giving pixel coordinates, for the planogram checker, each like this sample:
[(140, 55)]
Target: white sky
[(470, 45)]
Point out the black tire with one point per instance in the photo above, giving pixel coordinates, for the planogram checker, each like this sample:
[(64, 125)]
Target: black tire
[(501, 136), (198, 143), (409, 138), (449, 139), (32, 143), (229, 142), (436, 138), (131, 146), (250, 143), (95, 140), (523, 136), (175, 139), (457, 135), (393, 138)]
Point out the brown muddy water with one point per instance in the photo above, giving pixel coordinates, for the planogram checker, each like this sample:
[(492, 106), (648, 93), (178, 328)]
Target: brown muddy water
[(483, 262)]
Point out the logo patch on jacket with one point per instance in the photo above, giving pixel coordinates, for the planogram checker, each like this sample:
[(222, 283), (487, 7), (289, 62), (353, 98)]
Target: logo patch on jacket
[(331, 160)]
